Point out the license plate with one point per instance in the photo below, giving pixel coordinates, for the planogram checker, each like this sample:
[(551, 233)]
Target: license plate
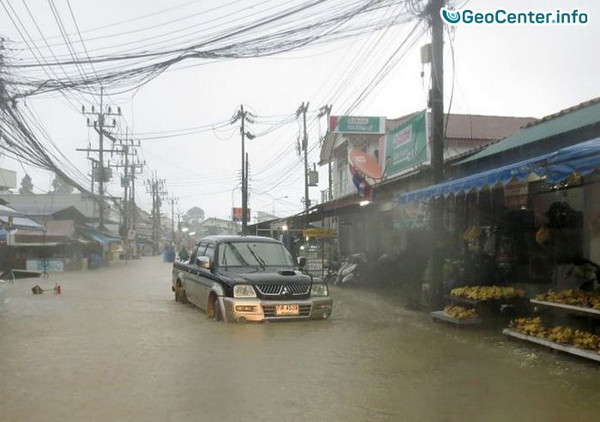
[(287, 310)]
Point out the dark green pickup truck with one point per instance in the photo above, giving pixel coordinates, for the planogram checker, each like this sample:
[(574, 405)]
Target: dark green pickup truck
[(248, 278)]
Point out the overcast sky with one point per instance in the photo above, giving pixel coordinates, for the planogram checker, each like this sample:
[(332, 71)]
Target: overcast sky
[(518, 70)]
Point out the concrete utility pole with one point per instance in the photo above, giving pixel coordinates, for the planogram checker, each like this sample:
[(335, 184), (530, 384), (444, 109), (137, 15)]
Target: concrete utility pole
[(437, 151), (99, 125), (130, 165), (244, 117), (156, 187), (302, 111), (173, 201), (326, 111)]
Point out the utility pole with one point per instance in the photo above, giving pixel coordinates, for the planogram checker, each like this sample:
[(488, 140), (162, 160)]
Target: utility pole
[(244, 117), (173, 201), (156, 187), (437, 151), (326, 111), (130, 165), (99, 125), (302, 111)]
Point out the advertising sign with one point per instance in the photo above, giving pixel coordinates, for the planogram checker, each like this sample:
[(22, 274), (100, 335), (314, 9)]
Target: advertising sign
[(407, 145), (55, 265), (237, 214), (317, 232), (357, 124)]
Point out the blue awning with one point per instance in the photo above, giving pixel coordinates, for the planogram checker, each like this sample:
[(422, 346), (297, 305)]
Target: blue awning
[(22, 223), (583, 158), (101, 238)]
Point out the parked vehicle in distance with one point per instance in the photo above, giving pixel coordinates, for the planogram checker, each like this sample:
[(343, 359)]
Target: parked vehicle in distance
[(248, 278)]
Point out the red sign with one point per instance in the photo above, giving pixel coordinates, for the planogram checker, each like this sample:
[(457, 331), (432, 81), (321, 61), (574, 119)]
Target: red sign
[(237, 214)]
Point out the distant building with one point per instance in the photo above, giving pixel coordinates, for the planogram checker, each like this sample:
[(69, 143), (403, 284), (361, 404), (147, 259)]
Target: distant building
[(216, 226)]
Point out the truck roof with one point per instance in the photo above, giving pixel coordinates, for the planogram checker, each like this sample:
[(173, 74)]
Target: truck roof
[(238, 238)]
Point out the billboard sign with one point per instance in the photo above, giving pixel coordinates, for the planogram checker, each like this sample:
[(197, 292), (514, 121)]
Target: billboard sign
[(237, 214), (357, 124), (407, 146)]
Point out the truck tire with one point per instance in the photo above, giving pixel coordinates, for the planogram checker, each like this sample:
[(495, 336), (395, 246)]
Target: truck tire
[(217, 310), (182, 295)]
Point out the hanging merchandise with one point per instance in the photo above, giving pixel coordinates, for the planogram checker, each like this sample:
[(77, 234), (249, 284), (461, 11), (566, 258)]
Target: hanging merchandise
[(543, 235)]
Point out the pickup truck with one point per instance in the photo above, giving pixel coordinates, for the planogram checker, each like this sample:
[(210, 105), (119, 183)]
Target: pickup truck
[(248, 278)]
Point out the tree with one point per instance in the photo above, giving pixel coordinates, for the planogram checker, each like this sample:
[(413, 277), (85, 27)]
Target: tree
[(26, 185), (194, 215), (60, 186)]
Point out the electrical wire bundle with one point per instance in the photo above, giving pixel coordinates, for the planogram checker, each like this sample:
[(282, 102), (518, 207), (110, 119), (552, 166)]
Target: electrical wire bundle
[(269, 30)]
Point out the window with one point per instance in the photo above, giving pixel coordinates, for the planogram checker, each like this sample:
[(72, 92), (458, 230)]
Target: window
[(198, 251), (210, 251)]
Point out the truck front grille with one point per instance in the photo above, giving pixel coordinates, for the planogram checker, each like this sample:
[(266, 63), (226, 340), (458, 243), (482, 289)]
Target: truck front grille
[(278, 289)]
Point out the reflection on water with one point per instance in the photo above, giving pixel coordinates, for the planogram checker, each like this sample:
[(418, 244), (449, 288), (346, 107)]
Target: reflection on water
[(116, 346)]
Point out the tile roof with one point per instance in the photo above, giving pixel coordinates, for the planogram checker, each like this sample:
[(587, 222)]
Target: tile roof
[(572, 118)]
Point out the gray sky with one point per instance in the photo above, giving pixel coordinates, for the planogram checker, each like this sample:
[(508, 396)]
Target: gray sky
[(520, 70)]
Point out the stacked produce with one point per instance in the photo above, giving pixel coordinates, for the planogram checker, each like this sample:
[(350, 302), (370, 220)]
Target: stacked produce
[(572, 297), (530, 326), (562, 335), (459, 312), (487, 292)]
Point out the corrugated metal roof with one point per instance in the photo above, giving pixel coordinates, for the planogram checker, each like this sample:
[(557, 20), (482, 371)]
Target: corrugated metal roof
[(584, 114)]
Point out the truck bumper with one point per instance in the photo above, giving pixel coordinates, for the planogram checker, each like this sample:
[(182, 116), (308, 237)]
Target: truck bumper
[(258, 310)]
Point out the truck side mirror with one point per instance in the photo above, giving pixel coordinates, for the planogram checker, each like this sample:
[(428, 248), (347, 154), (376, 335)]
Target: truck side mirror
[(203, 262), (301, 262)]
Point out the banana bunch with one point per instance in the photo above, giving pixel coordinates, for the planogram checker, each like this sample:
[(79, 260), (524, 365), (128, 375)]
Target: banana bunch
[(487, 292), (561, 335), (573, 297), (585, 340), (472, 233), (543, 235), (459, 312), (529, 326)]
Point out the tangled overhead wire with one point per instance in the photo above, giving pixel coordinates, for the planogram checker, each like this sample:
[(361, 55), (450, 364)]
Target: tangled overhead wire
[(273, 31)]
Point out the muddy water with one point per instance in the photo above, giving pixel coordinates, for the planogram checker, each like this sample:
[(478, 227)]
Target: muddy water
[(116, 347)]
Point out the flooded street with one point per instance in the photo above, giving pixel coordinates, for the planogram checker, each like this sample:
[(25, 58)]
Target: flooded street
[(115, 346)]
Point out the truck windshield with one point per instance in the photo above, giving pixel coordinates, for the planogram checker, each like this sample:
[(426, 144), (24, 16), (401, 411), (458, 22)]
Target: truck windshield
[(257, 256)]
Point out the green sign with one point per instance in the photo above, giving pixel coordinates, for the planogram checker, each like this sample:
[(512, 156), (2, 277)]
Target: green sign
[(357, 124), (407, 146)]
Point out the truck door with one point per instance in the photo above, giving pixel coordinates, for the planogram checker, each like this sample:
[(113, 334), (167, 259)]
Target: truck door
[(192, 277), (205, 279)]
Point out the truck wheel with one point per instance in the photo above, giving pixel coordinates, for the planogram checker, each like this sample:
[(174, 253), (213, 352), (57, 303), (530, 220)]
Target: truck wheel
[(217, 310), (182, 296)]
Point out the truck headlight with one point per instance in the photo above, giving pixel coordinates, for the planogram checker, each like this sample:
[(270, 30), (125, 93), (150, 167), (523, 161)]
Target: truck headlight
[(319, 289), (243, 290)]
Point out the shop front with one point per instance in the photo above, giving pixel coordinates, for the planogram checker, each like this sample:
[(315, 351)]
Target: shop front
[(532, 224)]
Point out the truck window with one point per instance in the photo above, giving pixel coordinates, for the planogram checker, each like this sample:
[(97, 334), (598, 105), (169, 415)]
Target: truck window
[(210, 251), (198, 251)]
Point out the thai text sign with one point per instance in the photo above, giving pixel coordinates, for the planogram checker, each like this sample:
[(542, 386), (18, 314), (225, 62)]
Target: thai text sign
[(407, 145), (316, 232), (357, 124)]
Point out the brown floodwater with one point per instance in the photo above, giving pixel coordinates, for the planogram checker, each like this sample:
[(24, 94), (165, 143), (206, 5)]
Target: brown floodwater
[(115, 346)]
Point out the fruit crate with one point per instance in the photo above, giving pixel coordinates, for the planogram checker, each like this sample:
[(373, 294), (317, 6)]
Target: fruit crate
[(588, 354), (442, 316)]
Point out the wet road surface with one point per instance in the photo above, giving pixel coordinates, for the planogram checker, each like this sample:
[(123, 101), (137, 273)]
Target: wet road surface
[(115, 346)]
